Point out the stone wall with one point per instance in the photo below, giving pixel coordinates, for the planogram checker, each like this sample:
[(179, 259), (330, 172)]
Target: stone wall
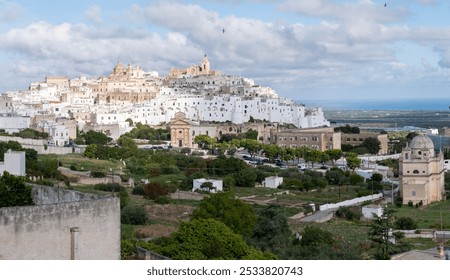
[(350, 202), (41, 146), (63, 225)]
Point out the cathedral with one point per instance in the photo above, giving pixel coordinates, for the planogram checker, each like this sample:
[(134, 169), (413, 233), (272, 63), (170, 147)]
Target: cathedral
[(421, 172), (195, 70)]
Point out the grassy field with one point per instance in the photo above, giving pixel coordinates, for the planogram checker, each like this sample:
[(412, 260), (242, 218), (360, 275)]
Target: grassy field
[(428, 217), (86, 164)]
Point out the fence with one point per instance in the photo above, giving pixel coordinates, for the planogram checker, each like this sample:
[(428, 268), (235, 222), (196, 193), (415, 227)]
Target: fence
[(144, 254)]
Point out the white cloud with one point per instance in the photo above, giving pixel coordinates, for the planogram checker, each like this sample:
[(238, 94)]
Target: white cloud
[(350, 46), (94, 13), (10, 11)]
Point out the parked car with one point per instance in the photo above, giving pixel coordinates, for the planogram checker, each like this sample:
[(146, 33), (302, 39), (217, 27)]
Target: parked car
[(302, 166)]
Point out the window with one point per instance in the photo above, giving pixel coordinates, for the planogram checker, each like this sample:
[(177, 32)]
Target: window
[(416, 171), (406, 156), (413, 193)]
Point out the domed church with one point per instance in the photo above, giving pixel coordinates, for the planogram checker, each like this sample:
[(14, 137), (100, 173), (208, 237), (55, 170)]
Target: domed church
[(421, 172)]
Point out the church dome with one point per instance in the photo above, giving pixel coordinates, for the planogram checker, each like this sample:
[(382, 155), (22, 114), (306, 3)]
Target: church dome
[(421, 142)]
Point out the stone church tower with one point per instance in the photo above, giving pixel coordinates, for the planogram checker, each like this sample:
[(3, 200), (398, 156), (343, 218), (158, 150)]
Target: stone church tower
[(421, 172), (205, 65)]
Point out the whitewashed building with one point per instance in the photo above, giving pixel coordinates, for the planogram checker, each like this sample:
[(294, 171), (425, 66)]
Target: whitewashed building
[(14, 163), (272, 182)]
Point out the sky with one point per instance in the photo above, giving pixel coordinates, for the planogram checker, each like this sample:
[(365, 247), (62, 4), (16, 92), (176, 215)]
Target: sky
[(304, 50)]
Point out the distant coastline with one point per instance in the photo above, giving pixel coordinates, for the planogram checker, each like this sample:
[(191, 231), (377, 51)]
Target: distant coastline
[(396, 104)]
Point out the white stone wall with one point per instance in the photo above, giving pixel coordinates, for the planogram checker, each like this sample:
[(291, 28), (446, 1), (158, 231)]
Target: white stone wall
[(14, 163), (349, 202), (43, 232)]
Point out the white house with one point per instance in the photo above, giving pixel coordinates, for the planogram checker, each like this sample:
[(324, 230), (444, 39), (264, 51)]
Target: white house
[(365, 173), (371, 209), (272, 182), (217, 185), (14, 163)]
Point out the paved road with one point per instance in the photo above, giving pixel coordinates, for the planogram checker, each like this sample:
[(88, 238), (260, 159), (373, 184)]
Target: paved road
[(320, 216)]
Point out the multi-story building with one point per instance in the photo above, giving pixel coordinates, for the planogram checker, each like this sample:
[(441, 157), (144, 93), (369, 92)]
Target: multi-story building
[(421, 172), (358, 139), (321, 139)]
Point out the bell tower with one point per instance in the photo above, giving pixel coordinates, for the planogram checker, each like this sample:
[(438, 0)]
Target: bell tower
[(205, 65)]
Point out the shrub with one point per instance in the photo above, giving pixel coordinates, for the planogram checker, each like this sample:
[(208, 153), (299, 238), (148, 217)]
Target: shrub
[(163, 200), (410, 203), (109, 187), (127, 249), (133, 215), (348, 213), (98, 174), (185, 150), (138, 190), (154, 190), (169, 169), (124, 198), (405, 223), (355, 179), (73, 167), (398, 202)]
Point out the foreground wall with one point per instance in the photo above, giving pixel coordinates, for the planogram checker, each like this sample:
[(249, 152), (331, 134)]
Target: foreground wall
[(64, 225)]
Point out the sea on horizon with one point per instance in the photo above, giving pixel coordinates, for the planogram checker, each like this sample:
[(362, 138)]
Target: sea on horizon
[(397, 104)]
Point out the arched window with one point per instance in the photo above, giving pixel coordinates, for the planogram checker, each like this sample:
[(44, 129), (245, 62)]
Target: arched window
[(416, 171)]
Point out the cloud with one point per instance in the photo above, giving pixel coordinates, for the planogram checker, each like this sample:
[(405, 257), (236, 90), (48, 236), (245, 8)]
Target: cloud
[(350, 44), (78, 49), (10, 11), (94, 13)]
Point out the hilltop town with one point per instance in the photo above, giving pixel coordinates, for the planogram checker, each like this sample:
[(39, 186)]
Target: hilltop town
[(135, 166), (60, 105)]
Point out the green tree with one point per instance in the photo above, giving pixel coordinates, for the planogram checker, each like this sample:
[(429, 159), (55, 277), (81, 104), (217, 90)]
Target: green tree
[(314, 236), (252, 146), (127, 143), (205, 239), (153, 190), (133, 215), (313, 156), (271, 151), (335, 176), (90, 151), (251, 134), (376, 177), (95, 137), (272, 230), (130, 121), (225, 207), (405, 223), (334, 154), (372, 144), (352, 160), (204, 141), (245, 178), (324, 158), (355, 179), (14, 192), (379, 233)]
